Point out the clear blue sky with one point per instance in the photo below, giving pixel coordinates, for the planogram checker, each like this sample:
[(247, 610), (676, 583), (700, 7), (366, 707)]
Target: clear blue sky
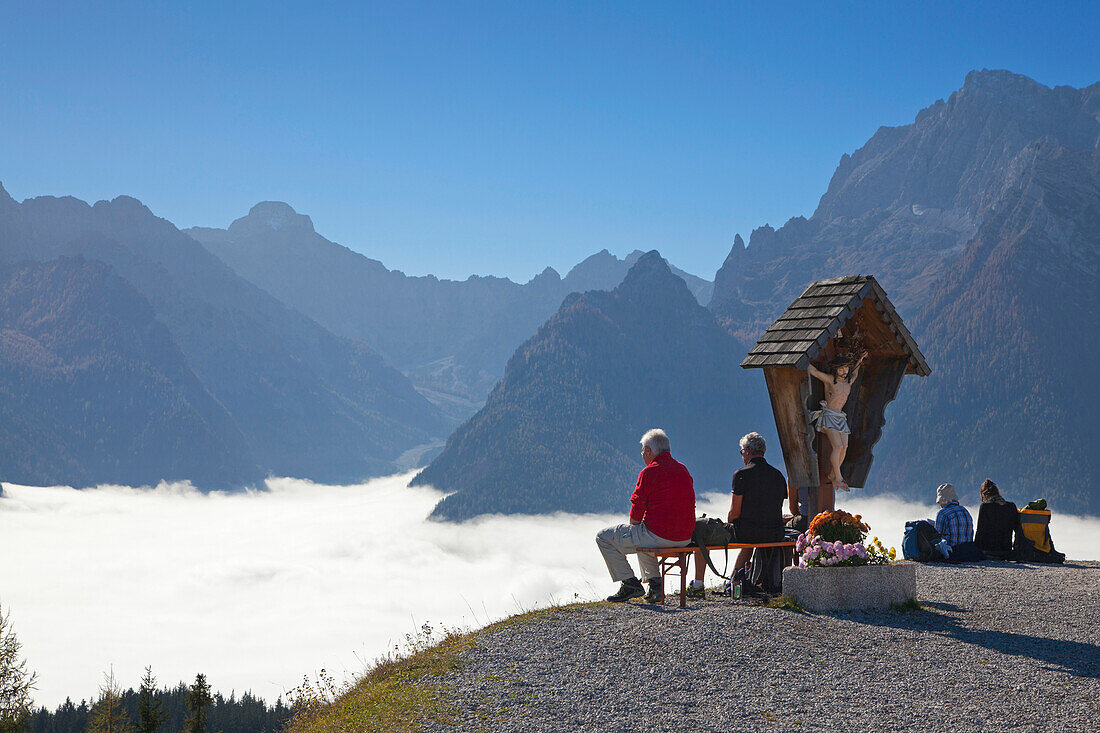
[(492, 138)]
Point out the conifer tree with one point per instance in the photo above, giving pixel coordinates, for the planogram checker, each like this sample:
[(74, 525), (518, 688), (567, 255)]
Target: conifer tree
[(198, 699), (150, 709), (108, 715), (16, 682)]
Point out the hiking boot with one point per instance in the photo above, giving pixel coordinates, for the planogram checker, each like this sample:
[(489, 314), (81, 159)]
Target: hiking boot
[(630, 588), (656, 592), (693, 592)]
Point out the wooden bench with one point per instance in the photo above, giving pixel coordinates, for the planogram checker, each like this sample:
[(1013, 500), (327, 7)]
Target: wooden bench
[(677, 557)]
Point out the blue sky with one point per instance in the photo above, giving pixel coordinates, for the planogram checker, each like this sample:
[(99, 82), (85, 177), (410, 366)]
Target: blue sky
[(492, 138)]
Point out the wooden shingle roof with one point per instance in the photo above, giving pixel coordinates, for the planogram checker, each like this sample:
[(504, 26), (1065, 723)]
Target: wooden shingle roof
[(798, 335)]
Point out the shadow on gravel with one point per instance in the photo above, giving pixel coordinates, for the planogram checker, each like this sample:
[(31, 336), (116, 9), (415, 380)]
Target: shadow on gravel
[(1073, 657), (658, 608)]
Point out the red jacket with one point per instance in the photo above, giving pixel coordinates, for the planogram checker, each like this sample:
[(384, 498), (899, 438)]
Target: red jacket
[(664, 498)]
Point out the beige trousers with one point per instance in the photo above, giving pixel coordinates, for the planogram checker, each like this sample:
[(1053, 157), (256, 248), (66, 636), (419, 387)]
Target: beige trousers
[(617, 542)]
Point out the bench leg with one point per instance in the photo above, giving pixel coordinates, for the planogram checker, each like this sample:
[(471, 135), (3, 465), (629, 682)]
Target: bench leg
[(664, 569), (683, 563)]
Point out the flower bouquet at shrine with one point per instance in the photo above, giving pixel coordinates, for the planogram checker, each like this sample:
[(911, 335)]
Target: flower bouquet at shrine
[(836, 538), (839, 570)]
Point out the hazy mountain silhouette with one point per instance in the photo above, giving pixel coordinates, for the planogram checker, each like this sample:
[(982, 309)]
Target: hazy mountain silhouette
[(452, 338), (980, 220), (94, 390), (560, 431), (307, 402)]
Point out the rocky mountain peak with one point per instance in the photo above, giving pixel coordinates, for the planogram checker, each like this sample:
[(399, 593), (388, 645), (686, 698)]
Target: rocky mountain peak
[(955, 152), (548, 275), (271, 216), (650, 268), (652, 279), (1001, 83)]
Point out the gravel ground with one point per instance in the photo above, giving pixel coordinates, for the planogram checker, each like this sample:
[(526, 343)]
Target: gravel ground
[(998, 646)]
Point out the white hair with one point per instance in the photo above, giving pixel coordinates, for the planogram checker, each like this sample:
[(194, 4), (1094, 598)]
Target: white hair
[(754, 444), (656, 441)]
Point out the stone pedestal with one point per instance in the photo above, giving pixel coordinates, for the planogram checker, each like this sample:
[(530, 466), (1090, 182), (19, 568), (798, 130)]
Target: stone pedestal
[(851, 588)]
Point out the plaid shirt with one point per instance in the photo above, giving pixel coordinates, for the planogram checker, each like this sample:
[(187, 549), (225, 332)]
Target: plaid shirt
[(955, 524)]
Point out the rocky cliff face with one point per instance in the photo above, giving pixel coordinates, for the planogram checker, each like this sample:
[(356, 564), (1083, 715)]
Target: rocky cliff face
[(978, 220), (560, 432), (1012, 329), (307, 402)]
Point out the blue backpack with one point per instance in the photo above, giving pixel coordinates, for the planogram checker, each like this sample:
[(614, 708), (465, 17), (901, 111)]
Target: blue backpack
[(920, 542)]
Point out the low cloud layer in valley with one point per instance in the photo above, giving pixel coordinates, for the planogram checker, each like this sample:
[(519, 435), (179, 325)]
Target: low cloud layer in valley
[(257, 589)]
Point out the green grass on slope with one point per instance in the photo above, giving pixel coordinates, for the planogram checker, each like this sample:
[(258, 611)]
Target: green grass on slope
[(401, 691)]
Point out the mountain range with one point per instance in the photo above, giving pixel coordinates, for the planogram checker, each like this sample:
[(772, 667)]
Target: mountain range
[(308, 403), (133, 351), (451, 338), (238, 383), (561, 428), (982, 221)]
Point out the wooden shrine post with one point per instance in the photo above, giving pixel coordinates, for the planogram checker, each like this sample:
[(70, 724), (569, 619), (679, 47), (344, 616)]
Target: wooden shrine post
[(838, 317)]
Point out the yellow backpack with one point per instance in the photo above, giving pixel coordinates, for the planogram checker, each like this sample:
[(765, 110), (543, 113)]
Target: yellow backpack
[(1035, 524)]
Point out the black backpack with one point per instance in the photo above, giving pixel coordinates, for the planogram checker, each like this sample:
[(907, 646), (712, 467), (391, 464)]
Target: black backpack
[(766, 570), (713, 531)]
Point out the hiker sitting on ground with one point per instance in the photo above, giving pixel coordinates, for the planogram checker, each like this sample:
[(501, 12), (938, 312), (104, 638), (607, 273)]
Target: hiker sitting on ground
[(997, 520), (756, 509), (953, 521), (662, 514), (956, 526)]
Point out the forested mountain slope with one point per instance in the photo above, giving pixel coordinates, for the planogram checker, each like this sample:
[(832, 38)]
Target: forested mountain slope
[(1013, 331), (94, 390), (561, 430)]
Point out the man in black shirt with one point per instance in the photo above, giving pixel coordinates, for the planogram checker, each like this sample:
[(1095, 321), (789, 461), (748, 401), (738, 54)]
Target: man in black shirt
[(757, 506), (758, 493)]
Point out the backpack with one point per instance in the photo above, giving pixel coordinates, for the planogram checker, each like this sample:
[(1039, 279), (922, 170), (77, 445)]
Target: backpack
[(1033, 541), (920, 542), (767, 569), (713, 531)]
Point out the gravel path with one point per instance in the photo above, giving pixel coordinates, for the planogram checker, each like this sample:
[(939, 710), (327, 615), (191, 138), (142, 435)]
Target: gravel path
[(998, 647)]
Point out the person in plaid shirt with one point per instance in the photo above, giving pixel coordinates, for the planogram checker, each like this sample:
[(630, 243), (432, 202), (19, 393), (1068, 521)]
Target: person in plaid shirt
[(953, 520)]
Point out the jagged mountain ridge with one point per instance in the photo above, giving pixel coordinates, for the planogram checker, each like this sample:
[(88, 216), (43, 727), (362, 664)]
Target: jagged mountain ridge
[(906, 203), (309, 403), (560, 431), (452, 338)]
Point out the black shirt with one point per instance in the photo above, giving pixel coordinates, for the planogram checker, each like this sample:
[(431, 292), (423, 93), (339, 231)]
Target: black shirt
[(763, 490), (996, 523)]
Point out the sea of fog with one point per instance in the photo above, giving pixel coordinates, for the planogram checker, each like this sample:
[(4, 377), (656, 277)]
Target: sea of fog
[(258, 589)]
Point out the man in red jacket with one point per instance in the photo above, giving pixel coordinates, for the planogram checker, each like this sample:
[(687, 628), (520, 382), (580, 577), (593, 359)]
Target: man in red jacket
[(662, 514)]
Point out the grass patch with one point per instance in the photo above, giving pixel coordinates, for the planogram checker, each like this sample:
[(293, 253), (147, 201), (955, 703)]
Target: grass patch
[(786, 603), (908, 606), (398, 693)]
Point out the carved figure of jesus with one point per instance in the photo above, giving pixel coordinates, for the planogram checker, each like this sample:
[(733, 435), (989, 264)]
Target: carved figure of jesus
[(830, 419)]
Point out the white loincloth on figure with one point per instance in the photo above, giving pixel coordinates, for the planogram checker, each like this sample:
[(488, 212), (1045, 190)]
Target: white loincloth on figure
[(829, 419)]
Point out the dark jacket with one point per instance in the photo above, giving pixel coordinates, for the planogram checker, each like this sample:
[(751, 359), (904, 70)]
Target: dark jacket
[(996, 523), (763, 490)]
